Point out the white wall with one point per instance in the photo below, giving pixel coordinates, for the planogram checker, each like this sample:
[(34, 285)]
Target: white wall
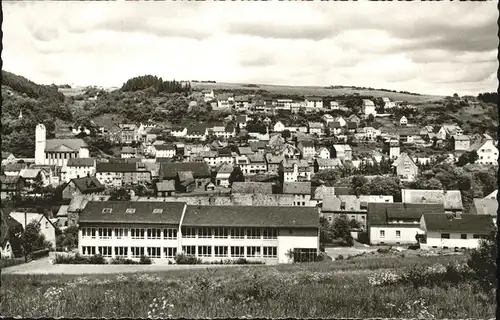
[(434, 240), (407, 234), (298, 238)]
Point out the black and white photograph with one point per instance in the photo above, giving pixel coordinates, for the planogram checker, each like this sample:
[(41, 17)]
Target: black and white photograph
[(249, 159)]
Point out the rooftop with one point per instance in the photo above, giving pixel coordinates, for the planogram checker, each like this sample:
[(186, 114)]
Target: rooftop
[(303, 188), (472, 223), (199, 169), (65, 145), (88, 185), (252, 187), (381, 213), (81, 162), (451, 199)]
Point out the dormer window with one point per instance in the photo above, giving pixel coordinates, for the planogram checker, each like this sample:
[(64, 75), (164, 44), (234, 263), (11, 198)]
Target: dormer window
[(106, 210), (130, 210), (157, 211), (342, 205)]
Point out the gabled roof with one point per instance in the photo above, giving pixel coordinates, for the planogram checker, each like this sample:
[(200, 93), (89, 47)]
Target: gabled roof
[(245, 150), (65, 145), (81, 162), (334, 125), (461, 138), (315, 125), (352, 125), (402, 157), (328, 162), (29, 173), (171, 212), (9, 182), (19, 216), (486, 206), (116, 167), (256, 158), (165, 147), (87, 185), (14, 167), (5, 154), (322, 191), (467, 223), (199, 169), (128, 150), (302, 188), (492, 195), (251, 216), (313, 98), (163, 186), (225, 168), (367, 102), (252, 187), (306, 144), (382, 213), (451, 199), (270, 158)]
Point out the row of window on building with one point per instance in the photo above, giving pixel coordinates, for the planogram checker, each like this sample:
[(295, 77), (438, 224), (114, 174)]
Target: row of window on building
[(170, 252), (463, 236), (187, 232)]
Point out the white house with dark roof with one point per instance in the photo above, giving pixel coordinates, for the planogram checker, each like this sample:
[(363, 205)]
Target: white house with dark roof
[(165, 151), (326, 164), (323, 153), (279, 127), (342, 152), (454, 231), (57, 151), (292, 170), (78, 168), (301, 191), (314, 103), (161, 230), (223, 172), (369, 108), (47, 227), (316, 128), (486, 151), (307, 149)]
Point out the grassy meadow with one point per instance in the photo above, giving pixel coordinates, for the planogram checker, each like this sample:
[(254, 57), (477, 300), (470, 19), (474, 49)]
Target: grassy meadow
[(349, 288)]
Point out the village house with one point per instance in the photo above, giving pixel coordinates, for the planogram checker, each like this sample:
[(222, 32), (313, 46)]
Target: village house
[(178, 132), (327, 118), (342, 121), (454, 231), (316, 128), (127, 133), (223, 172), (334, 105), (8, 157), (397, 223), (208, 95), (388, 104), (207, 232), (335, 128), (306, 149), (224, 101), (405, 167), (342, 152), (370, 133), (292, 170), (242, 103), (403, 121), (165, 188), (165, 151), (47, 228), (301, 191), (326, 164), (200, 173), (323, 153), (57, 151), (461, 143), (198, 132), (486, 151), (85, 186), (273, 162), (450, 199), (392, 148), (448, 130), (485, 206), (314, 103), (13, 169), (369, 108), (279, 127), (128, 152), (122, 174), (78, 168), (241, 120), (34, 176), (284, 104), (352, 127)]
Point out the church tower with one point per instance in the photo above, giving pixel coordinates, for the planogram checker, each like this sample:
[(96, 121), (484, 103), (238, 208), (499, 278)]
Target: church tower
[(40, 143)]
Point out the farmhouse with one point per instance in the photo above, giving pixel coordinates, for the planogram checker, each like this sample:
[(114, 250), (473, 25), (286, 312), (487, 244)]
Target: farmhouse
[(160, 230), (405, 167)]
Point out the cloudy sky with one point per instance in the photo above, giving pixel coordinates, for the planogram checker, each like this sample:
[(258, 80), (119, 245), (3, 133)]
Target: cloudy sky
[(434, 48)]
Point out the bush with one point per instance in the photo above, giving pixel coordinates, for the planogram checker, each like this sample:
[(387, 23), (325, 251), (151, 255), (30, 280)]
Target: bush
[(121, 260), (186, 259), (145, 260), (38, 254), (97, 259), (340, 257), (482, 262)]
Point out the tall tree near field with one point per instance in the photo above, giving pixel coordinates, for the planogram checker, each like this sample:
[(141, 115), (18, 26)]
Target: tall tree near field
[(236, 175)]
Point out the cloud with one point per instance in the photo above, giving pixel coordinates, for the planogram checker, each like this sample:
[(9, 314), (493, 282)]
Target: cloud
[(400, 46)]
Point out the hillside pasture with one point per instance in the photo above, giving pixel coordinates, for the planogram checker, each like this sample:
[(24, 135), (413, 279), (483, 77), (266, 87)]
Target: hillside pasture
[(314, 91)]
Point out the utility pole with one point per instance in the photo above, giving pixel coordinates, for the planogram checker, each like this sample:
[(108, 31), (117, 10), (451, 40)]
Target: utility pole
[(24, 244)]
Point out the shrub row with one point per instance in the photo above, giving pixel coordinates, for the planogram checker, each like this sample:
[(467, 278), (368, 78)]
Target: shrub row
[(98, 259), (189, 259)]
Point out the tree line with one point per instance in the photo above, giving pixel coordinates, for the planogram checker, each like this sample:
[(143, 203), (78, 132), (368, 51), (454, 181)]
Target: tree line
[(150, 81)]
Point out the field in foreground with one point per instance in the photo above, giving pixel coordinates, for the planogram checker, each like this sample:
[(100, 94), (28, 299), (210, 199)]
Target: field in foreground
[(320, 290)]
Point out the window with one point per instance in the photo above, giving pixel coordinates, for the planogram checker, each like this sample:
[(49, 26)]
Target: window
[(382, 234), (189, 250), (253, 233), (85, 232), (130, 210), (154, 234), (170, 252), (105, 251), (463, 236), (398, 233), (155, 211), (137, 233), (270, 252), (221, 233), (46, 224), (154, 252), (170, 234), (204, 251), (189, 232), (220, 251), (204, 232), (478, 236), (270, 233), (121, 252), (330, 218), (104, 233), (237, 233), (106, 210), (237, 252), (342, 205), (445, 235), (137, 252), (88, 251), (253, 252), (121, 233)]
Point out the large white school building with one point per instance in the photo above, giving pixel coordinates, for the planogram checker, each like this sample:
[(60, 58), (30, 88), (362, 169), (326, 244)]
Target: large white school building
[(160, 230)]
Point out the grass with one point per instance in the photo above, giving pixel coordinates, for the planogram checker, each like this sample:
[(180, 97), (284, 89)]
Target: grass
[(318, 290)]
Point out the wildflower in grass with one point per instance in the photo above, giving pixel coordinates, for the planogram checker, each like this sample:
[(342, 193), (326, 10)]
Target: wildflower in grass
[(160, 308), (52, 293), (384, 278), (121, 278)]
